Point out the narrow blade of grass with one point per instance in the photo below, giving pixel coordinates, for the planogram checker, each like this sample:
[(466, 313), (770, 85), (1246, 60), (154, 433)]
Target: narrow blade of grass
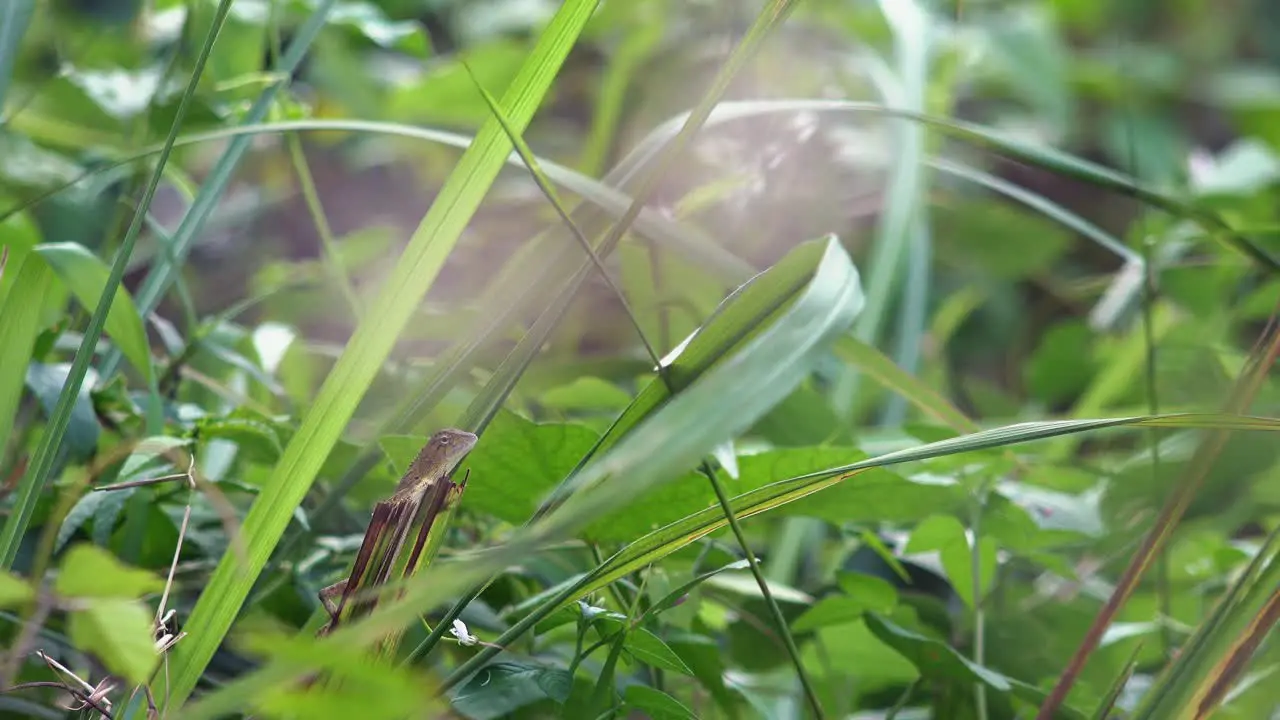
[(1045, 158)]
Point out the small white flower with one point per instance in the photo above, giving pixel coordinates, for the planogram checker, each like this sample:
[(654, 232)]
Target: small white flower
[(464, 636)]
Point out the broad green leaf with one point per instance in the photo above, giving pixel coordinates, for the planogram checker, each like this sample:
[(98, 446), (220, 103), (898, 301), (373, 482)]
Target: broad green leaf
[(935, 659), (656, 704), (88, 571), (364, 355), (85, 508), (675, 596), (585, 393), (651, 650), (875, 594), (257, 439), (14, 590), (833, 610), (502, 688), (118, 631), (19, 324), (853, 649), (369, 20), (519, 462), (745, 585), (739, 317), (46, 383), (86, 276)]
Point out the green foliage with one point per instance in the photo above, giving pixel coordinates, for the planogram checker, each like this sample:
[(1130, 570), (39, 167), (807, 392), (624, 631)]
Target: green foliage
[(964, 314)]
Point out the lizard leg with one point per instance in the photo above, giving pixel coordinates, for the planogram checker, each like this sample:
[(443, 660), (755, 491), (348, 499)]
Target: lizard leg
[(329, 598)]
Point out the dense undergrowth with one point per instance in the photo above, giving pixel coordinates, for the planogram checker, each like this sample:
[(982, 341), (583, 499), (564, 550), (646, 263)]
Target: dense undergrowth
[(828, 358)]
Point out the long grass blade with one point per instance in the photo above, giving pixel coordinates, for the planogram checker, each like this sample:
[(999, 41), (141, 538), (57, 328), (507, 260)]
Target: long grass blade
[(1042, 157), (899, 227)]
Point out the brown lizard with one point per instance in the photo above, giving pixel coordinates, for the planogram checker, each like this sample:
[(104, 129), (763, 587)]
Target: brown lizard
[(425, 490)]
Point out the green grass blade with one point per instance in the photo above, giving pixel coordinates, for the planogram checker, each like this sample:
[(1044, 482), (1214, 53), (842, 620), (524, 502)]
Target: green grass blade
[(371, 344), (898, 223), (548, 191), (694, 244), (668, 539), (876, 365), (37, 475), (15, 16), (20, 310)]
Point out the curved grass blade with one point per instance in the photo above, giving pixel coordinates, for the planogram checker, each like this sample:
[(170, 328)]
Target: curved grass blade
[(372, 342), (1043, 157), (696, 245), (666, 540), (37, 474)]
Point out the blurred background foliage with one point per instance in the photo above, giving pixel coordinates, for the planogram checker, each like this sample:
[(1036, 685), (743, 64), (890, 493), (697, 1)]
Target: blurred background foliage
[(1012, 290)]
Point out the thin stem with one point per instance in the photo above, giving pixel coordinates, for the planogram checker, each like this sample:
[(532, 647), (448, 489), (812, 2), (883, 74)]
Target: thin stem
[(979, 615), (776, 612)]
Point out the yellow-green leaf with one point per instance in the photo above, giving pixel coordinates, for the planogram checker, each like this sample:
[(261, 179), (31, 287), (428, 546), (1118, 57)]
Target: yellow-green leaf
[(86, 276), (118, 632), (88, 571), (13, 590)]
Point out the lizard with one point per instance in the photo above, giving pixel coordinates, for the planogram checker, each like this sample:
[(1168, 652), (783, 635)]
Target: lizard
[(423, 493)]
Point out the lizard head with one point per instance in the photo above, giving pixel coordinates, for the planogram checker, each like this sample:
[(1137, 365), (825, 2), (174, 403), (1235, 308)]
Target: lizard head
[(445, 449)]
